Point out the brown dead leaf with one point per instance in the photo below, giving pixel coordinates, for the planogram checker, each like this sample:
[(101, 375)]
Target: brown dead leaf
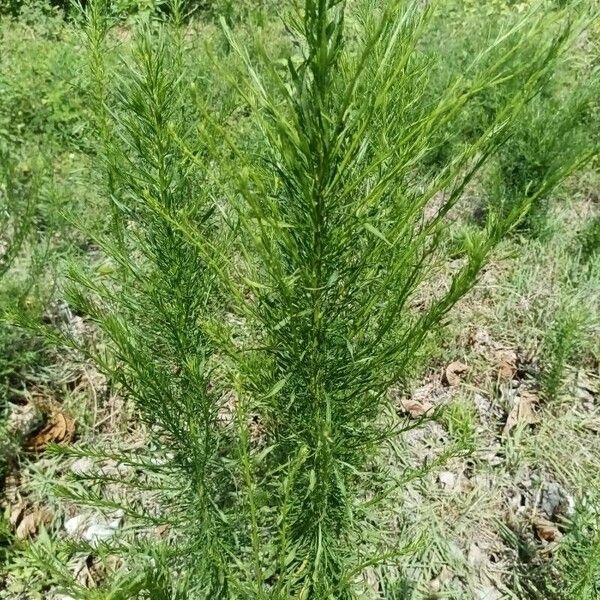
[(506, 361), (453, 372), (16, 514), (592, 425), (523, 411), (59, 428), (547, 531), (31, 522), (162, 531), (415, 408)]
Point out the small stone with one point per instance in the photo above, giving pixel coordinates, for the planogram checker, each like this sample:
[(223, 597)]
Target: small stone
[(76, 525), (555, 501), (488, 592), (98, 533), (584, 394), (481, 340), (476, 556), (102, 529), (24, 420), (441, 581), (447, 479), (82, 466), (483, 404)]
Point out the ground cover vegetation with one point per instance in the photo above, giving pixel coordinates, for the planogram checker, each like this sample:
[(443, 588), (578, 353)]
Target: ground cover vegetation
[(299, 300)]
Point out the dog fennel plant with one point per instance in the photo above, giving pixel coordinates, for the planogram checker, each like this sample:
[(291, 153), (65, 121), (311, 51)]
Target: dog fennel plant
[(152, 296), (340, 241), (16, 221), (319, 262)]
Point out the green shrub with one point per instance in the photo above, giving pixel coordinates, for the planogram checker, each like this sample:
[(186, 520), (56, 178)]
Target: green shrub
[(578, 556), (573, 570), (25, 283), (45, 100), (556, 130), (15, 224), (257, 307), (552, 133), (560, 346), (588, 241), (234, 11)]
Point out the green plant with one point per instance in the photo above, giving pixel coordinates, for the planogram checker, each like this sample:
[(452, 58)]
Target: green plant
[(45, 100), (459, 419), (556, 129), (588, 241), (156, 298), (259, 328), (562, 340), (574, 569), (578, 556), (340, 247), (5, 541), (568, 334), (552, 132), (16, 212)]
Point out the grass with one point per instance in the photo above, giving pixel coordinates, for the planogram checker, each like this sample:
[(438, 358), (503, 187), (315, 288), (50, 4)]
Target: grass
[(207, 428)]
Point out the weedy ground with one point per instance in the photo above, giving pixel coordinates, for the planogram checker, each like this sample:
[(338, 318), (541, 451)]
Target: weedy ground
[(514, 380)]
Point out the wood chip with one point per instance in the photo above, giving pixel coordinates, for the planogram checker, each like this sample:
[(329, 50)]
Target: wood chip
[(453, 372), (523, 411)]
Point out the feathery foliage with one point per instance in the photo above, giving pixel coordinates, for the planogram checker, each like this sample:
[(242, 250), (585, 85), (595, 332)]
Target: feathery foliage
[(258, 330), (16, 211), (579, 552), (561, 344), (556, 131), (153, 296), (341, 239)]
